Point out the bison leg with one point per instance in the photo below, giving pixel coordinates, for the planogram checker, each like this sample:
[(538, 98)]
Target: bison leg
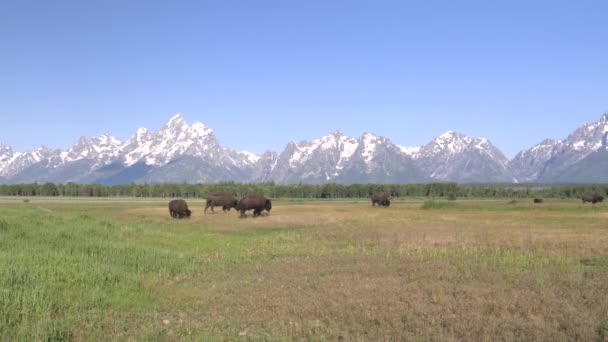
[(210, 205)]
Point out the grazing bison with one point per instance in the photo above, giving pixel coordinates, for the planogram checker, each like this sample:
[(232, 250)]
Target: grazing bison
[(223, 199), (538, 200), (257, 203), (178, 208), (380, 198), (593, 198)]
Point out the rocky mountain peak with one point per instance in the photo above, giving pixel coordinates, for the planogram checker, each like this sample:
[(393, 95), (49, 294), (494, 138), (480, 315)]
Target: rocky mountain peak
[(5, 149), (177, 120), (6, 153), (140, 136), (337, 133)]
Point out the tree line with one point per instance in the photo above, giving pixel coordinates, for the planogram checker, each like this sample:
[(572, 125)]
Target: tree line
[(312, 191)]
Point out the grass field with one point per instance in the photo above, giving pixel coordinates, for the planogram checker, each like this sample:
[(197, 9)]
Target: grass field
[(459, 270)]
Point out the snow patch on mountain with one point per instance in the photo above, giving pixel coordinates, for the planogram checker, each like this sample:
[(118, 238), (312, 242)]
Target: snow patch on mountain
[(348, 148), (303, 151), (451, 142), (336, 141), (369, 147), (251, 158), (102, 150), (410, 151)]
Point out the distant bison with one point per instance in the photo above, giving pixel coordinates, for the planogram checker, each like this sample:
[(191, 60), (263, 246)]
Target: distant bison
[(380, 198), (222, 199), (257, 203), (593, 198), (538, 200), (178, 208)]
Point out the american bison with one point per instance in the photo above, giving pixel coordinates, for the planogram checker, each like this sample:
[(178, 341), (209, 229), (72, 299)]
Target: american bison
[(257, 203), (592, 198), (178, 208), (223, 199), (538, 200), (380, 198)]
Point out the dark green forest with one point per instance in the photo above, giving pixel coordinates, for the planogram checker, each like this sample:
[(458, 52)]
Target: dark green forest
[(272, 190)]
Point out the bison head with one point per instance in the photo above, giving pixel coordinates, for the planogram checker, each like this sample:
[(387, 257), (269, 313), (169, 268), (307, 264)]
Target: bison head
[(187, 213)]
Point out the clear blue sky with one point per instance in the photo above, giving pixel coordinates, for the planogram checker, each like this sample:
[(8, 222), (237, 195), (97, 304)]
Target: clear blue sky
[(263, 73)]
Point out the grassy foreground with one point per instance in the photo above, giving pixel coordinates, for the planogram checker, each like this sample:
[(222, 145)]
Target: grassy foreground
[(486, 270)]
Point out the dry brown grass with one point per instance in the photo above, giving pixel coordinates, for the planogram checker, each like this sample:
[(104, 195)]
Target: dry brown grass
[(362, 298), (346, 271)]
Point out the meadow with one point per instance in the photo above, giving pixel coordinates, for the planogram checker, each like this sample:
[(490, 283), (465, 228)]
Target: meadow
[(483, 270)]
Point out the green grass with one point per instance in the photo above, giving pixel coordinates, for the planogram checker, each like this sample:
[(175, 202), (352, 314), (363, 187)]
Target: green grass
[(463, 270), (56, 267)]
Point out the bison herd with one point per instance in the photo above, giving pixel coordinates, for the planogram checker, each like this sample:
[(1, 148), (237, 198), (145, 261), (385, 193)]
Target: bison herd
[(178, 208)]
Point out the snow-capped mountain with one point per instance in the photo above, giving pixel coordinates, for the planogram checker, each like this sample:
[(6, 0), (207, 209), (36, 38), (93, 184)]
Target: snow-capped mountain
[(6, 155), (582, 157), (339, 158), (457, 157), (12, 164), (179, 152), (103, 150), (175, 138), (528, 164), (264, 167), (133, 149), (317, 161), (378, 160), (176, 152)]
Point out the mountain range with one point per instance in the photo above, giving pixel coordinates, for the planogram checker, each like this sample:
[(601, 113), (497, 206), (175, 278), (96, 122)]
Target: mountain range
[(179, 152)]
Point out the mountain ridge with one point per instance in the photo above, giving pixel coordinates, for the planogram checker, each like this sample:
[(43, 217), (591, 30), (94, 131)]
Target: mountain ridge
[(179, 152)]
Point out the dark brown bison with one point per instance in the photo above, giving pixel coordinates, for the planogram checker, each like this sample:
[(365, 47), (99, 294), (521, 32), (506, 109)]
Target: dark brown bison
[(592, 198), (222, 199), (538, 200), (178, 208), (380, 198), (257, 203)]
